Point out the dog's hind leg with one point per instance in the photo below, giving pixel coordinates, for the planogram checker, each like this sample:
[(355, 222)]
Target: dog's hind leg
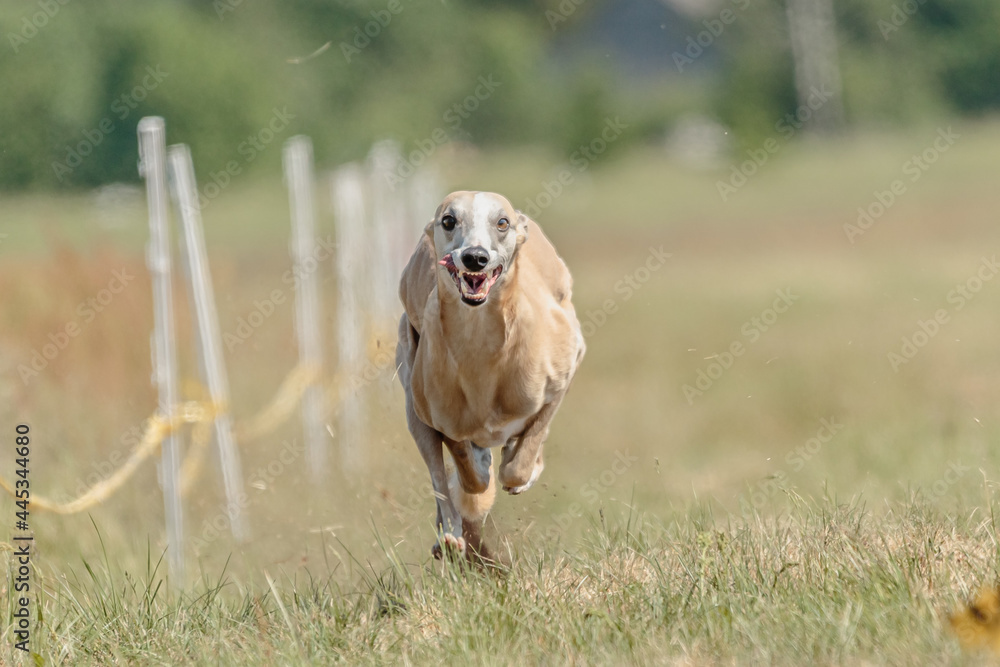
[(472, 464), (472, 487), (521, 464), (473, 490), (474, 506)]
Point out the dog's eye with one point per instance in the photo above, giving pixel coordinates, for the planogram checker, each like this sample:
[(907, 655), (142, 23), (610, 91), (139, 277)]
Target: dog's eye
[(448, 222), (503, 224)]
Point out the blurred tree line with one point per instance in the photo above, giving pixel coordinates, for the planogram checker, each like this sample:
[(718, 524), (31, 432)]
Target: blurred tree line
[(901, 61), (231, 76)]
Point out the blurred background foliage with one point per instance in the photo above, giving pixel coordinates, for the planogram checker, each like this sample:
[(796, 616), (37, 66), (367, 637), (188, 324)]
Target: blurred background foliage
[(562, 67)]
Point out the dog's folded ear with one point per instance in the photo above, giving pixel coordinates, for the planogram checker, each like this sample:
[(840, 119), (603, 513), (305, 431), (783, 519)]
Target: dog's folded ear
[(522, 227), (429, 229)]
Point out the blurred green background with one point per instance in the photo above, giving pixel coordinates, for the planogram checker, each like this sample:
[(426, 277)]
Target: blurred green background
[(76, 75)]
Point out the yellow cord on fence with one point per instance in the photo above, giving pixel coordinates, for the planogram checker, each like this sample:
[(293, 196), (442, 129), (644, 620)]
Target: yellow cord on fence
[(280, 409), (157, 428), (201, 414), (201, 435)]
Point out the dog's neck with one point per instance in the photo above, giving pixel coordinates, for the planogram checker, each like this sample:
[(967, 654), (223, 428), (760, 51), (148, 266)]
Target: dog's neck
[(477, 331)]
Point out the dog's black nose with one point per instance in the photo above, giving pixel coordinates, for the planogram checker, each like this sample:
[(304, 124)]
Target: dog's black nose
[(475, 258)]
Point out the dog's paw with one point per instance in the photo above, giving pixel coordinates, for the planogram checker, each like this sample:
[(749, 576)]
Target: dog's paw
[(517, 490), (535, 474), (450, 545)]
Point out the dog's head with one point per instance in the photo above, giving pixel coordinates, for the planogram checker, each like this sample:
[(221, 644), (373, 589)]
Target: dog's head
[(476, 237)]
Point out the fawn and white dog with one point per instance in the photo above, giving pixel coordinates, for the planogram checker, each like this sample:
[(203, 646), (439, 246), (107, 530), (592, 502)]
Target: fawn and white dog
[(487, 348)]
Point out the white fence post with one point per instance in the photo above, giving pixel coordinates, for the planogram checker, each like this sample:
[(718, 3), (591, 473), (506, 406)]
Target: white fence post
[(813, 32), (387, 222), (152, 149), (353, 269), (209, 339), (422, 198), (297, 160)]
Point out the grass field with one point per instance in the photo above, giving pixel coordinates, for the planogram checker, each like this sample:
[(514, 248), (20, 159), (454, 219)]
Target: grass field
[(740, 474)]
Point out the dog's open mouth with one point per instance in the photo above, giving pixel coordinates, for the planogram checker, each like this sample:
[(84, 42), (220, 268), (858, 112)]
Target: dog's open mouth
[(473, 286)]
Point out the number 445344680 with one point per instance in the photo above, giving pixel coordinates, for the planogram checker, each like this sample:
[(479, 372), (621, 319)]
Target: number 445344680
[(22, 448)]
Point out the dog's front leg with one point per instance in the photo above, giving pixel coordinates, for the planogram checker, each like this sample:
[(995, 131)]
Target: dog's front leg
[(449, 521), (521, 463)]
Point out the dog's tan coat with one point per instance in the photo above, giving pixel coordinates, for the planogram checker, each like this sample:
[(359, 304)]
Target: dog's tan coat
[(492, 375)]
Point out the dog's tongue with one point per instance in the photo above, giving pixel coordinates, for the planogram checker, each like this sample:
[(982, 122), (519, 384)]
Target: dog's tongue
[(474, 281)]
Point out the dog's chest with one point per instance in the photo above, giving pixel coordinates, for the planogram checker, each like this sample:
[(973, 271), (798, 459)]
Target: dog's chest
[(486, 409), (500, 433)]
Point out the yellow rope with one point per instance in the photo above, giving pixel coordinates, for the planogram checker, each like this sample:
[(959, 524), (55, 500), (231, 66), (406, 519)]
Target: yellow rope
[(201, 414), (201, 435), (280, 409), (157, 428)]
